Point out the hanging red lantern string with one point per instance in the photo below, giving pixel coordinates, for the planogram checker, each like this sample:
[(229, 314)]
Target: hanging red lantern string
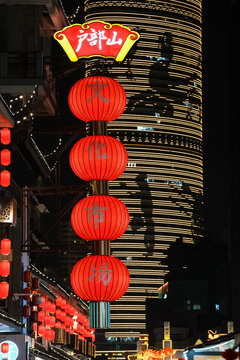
[(97, 98), (100, 278), (100, 217), (98, 158)]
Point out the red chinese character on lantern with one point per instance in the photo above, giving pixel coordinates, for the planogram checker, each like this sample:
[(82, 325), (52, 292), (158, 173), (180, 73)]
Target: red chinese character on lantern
[(103, 274)]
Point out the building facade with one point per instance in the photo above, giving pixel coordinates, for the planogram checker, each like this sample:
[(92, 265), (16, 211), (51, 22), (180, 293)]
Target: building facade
[(161, 129)]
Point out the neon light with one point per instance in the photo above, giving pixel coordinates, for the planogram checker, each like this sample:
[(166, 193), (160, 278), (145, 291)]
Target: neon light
[(13, 351), (96, 39)]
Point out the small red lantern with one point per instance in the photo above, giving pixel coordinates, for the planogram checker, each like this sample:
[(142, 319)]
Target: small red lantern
[(48, 305), (27, 291), (71, 310), (47, 334), (100, 217), (4, 289), (41, 330), (97, 98), (67, 307), (27, 276), (52, 321), (52, 308), (58, 314), (4, 268), (63, 317), (100, 278), (5, 157), (5, 178), (5, 348), (52, 335), (35, 283), (59, 301), (48, 319), (27, 311), (41, 316), (63, 304), (98, 158), (58, 325), (5, 136), (5, 246)]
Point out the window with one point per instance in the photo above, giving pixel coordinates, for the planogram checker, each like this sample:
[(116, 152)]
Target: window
[(149, 180), (130, 164), (196, 307), (217, 307), (145, 128)]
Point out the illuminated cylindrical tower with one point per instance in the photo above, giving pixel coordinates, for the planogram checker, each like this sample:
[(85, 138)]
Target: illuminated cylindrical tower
[(162, 132)]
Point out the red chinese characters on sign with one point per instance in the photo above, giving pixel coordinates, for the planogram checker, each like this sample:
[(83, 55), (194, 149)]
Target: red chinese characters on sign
[(96, 38)]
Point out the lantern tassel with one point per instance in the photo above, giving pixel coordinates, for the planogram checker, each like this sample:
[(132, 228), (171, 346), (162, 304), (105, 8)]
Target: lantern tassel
[(99, 314)]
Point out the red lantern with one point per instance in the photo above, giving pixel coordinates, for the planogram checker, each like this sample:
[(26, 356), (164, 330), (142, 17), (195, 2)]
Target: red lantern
[(35, 283), (52, 335), (63, 317), (5, 157), (48, 319), (98, 158), (4, 289), (5, 178), (97, 98), (47, 334), (5, 246), (41, 316), (100, 217), (5, 136), (27, 291), (67, 307), (27, 311), (71, 310), (48, 305), (41, 330), (52, 321), (4, 268), (63, 304), (100, 278), (5, 348), (58, 325), (27, 276), (58, 314), (59, 301), (52, 308)]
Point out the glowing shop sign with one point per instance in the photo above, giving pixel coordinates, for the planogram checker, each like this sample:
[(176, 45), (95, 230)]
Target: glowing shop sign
[(13, 352), (96, 39)]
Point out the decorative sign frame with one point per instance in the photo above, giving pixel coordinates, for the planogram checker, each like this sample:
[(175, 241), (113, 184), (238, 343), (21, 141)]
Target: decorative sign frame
[(96, 39)]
